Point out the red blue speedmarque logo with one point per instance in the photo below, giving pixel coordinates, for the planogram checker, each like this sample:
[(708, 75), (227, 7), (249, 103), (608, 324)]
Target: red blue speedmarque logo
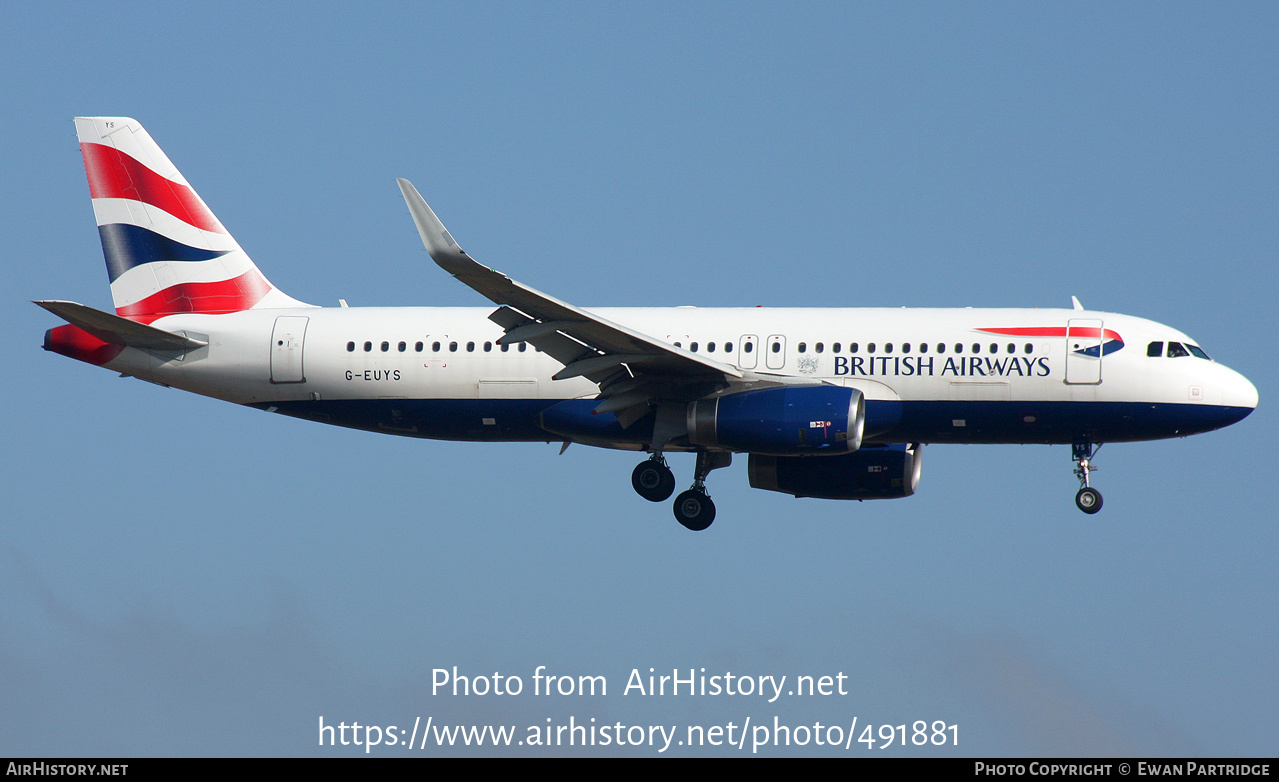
[(1110, 340)]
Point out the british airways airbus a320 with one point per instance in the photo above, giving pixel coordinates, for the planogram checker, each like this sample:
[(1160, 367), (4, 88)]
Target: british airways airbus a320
[(831, 403)]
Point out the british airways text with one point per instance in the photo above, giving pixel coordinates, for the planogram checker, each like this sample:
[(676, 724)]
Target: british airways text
[(963, 366)]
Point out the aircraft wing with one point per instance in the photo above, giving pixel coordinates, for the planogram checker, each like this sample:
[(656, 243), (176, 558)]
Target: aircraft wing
[(631, 367)]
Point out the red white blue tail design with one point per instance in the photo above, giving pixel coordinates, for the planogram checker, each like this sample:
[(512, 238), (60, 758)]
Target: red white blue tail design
[(166, 253)]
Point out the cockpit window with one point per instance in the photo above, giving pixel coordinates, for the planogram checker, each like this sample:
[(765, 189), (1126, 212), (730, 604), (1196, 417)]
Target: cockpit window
[(1176, 350)]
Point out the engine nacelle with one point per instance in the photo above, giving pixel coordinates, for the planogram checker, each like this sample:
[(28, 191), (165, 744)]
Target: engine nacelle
[(784, 421), (875, 472)]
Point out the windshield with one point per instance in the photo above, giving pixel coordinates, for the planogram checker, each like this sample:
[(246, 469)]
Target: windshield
[(1181, 350)]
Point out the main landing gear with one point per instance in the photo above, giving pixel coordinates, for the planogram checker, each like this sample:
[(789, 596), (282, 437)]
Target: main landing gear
[(655, 482), (1088, 499)]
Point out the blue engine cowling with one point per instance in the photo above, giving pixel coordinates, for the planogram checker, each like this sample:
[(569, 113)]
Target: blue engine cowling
[(785, 421), (875, 472)]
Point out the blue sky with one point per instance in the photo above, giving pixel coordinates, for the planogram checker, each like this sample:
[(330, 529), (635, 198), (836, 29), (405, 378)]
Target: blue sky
[(179, 576)]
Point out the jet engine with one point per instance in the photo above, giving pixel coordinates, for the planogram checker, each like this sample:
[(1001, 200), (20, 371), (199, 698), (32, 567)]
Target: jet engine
[(785, 421), (874, 472)]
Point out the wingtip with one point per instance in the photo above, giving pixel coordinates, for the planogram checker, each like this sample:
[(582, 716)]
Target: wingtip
[(435, 237)]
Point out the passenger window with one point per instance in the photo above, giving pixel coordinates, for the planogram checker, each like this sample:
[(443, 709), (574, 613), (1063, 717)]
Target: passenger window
[(728, 347), (435, 347), (923, 347), (1029, 348), (417, 347), (959, 348), (819, 347), (803, 347), (350, 347), (403, 347), (749, 347), (852, 347), (692, 346), (976, 348), (1175, 350), (834, 348), (777, 347), (710, 347), (505, 348), (994, 349), (488, 347), (906, 348), (386, 346), (452, 347), (888, 348), (1155, 349), (870, 348), (1012, 348), (941, 347), (368, 347), (470, 347), (523, 346)]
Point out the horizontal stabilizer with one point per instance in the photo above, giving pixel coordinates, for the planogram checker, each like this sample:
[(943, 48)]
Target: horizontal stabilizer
[(117, 330)]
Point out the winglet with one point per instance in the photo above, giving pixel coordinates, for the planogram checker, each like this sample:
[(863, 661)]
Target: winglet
[(439, 243)]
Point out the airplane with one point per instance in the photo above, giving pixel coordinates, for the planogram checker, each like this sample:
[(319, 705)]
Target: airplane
[(826, 403)]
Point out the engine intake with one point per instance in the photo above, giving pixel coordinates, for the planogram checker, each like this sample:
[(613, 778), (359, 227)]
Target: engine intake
[(785, 421), (875, 472)]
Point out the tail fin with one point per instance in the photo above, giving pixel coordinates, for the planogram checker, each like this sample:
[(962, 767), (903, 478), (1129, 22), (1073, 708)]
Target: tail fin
[(166, 253)]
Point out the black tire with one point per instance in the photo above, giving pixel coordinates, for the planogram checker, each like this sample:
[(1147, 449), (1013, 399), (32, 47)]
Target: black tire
[(653, 481), (1089, 500), (694, 510)]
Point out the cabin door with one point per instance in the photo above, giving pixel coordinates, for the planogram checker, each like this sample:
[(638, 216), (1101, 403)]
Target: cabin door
[(1083, 351), (286, 349)]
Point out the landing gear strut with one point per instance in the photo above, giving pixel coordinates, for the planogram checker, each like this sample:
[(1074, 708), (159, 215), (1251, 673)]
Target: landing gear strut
[(1088, 499), (653, 480), (693, 508)]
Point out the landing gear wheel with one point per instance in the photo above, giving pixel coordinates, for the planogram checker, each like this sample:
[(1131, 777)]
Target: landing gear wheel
[(1089, 500), (694, 510), (653, 480)]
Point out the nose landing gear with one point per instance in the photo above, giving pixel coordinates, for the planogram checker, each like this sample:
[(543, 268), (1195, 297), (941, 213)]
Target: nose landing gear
[(1087, 499)]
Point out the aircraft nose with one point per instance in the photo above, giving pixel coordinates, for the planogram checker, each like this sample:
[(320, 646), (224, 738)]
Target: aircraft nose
[(1242, 393), (1239, 395)]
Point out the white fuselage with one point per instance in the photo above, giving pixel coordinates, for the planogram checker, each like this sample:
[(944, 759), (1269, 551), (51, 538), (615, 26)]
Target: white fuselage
[(947, 365)]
